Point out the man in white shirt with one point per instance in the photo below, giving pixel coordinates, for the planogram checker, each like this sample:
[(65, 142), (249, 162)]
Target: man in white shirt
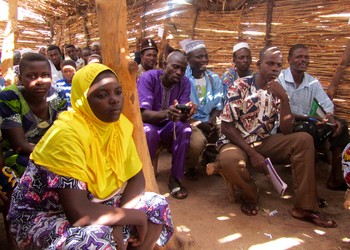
[(54, 55), (302, 89)]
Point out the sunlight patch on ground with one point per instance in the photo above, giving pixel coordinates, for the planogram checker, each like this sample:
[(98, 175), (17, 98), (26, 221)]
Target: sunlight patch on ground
[(347, 240), (278, 244), (183, 229), (286, 197), (230, 238), (306, 235), (222, 218), (320, 232)]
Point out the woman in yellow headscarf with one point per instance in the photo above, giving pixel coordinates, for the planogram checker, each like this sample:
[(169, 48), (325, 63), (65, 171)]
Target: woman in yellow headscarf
[(84, 182)]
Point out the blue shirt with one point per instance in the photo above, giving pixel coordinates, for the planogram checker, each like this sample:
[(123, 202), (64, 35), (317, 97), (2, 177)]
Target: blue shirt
[(213, 98), (63, 85), (300, 99)]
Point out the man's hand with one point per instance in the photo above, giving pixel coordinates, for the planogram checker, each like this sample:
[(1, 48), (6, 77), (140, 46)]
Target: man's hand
[(258, 162), (277, 90), (337, 127), (175, 114)]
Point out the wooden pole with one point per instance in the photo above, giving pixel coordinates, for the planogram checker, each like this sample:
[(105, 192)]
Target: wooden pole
[(143, 21), (115, 54), (86, 30), (270, 5), (8, 47), (194, 24), (163, 42), (343, 62)]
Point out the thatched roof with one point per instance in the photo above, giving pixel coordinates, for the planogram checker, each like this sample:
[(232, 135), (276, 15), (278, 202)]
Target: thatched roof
[(320, 24)]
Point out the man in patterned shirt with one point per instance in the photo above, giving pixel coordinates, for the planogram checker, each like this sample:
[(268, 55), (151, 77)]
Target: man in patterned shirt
[(254, 104)]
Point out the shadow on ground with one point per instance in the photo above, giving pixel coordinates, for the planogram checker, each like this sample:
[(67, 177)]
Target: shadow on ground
[(206, 220), (209, 221)]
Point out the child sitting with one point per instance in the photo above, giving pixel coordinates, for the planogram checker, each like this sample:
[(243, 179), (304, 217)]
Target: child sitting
[(68, 68)]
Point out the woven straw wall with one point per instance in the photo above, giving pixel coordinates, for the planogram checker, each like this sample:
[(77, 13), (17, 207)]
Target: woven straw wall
[(313, 22)]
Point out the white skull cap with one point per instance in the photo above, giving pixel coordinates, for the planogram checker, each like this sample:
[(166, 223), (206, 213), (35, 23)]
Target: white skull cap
[(239, 46), (189, 45)]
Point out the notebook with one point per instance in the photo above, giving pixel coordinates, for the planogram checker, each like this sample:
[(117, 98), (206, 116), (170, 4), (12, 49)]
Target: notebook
[(275, 179)]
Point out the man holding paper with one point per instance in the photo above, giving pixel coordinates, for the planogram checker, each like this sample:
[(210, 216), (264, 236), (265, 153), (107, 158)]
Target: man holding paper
[(255, 103), (308, 101)]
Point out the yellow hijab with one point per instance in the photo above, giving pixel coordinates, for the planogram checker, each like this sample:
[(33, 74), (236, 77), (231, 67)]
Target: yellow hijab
[(79, 145)]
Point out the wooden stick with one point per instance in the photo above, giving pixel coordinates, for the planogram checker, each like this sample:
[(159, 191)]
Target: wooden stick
[(270, 5), (11, 34), (343, 62)]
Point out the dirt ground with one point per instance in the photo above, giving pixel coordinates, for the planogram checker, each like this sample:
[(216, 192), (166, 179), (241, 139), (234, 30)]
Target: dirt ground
[(206, 220)]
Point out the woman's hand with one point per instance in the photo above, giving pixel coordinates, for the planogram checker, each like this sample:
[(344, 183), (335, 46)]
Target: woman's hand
[(139, 239), (136, 240), (118, 237)]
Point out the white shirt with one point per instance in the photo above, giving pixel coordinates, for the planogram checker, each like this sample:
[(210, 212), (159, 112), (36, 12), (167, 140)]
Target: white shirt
[(56, 74), (300, 99)]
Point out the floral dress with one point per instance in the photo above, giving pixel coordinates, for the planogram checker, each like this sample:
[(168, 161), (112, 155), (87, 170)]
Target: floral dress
[(14, 113), (346, 164), (39, 222)]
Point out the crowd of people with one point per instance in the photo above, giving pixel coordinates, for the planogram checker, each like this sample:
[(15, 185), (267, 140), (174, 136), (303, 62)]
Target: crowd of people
[(70, 171)]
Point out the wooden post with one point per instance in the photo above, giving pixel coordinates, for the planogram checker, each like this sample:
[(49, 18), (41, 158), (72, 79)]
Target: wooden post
[(143, 21), (51, 24), (194, 24), (86, 30), (10, 38), (270, 5), (343, 62), (163, 43), (115, 54)]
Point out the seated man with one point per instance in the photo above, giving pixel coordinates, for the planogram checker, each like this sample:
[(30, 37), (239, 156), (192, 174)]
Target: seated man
[(254, 104), (55, 57), (96, 48), (159, 91), (242, 60), (85, 54), (148, 54), (206, 93), (302, 88), (72, 53)]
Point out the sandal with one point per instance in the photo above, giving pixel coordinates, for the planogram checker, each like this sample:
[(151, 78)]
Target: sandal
[(250, 209), (314, 217), (322, 203), (191, 174), (177, 190)]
